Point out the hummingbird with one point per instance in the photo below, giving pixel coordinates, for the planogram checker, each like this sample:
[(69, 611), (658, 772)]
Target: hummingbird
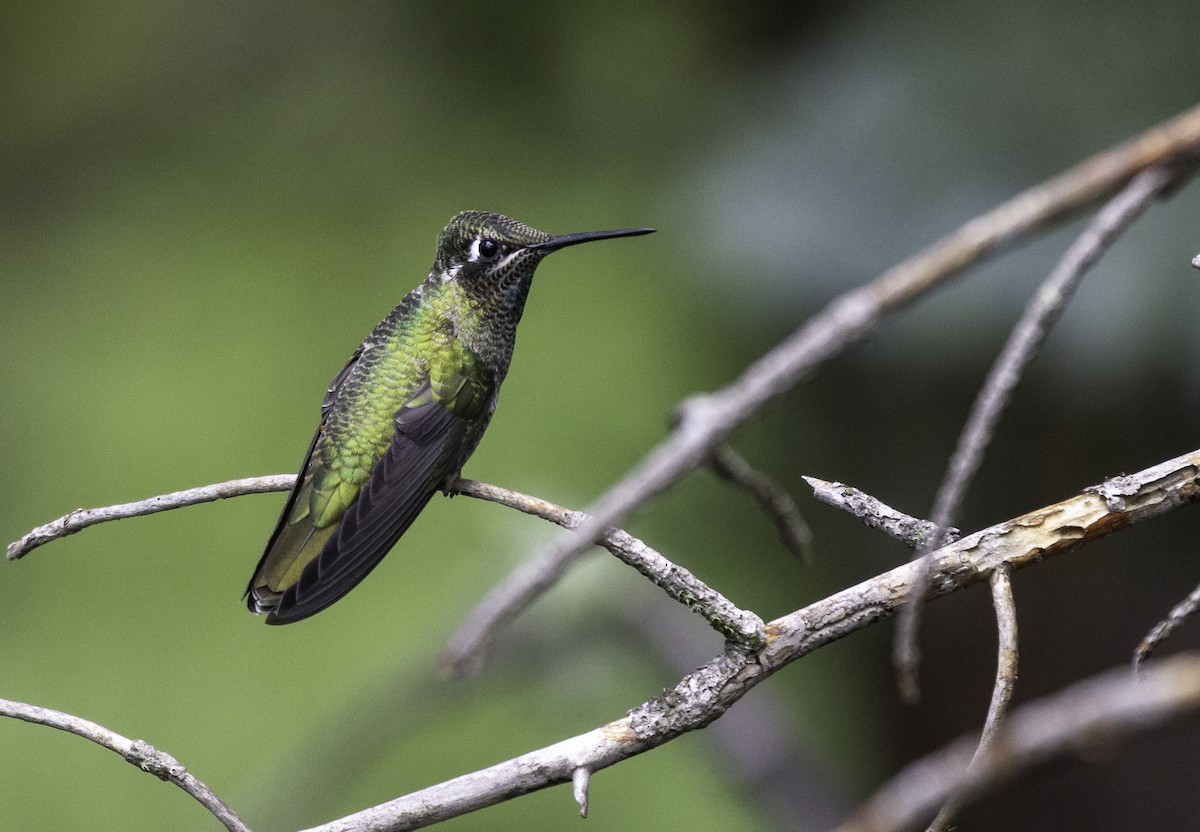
[(405, 413)]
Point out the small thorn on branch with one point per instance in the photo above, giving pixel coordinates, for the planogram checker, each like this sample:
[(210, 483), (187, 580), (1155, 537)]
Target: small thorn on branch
[(580, 780), (913, 532), (770, 496)]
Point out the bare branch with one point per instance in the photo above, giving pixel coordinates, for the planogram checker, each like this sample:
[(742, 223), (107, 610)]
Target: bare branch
[(138, 752), (702, 696), (913, 532), (723, 615), (707, 421), (1002, 691), (740, 626), (1042, 312), (774, 501), (1179, 615), (1007, 656), (81, 518), (1091, 711)]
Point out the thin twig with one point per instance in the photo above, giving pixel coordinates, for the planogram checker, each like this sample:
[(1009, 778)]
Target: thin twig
[(913, 532), (1002, 691), (138, 752), (707, 421), (1089, 712), (81, 518), (1179, 615), (1040, 315), (703, 695), (1007, 656), (775, 502)]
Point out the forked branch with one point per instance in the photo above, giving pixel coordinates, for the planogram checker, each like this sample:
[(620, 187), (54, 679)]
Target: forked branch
[(705, 694), (702, 696), (707, 421)]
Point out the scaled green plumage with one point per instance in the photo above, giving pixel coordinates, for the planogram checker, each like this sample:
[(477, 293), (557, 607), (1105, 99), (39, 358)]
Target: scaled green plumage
[(404, 414)]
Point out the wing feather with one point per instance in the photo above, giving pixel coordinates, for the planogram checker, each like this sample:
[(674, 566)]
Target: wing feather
[(312, 561), (401, 484), (293, 535), (422, 454)]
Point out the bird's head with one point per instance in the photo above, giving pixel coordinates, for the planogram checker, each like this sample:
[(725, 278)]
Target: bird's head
[(498, 255)]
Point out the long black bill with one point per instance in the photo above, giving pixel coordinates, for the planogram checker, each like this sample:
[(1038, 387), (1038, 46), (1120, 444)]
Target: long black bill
[(564, 240)]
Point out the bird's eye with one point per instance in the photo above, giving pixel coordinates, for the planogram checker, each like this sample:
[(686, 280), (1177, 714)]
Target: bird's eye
[(488, 248)]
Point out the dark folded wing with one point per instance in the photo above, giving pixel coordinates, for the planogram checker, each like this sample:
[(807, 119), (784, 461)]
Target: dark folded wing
[(291, 537), (426, 448)]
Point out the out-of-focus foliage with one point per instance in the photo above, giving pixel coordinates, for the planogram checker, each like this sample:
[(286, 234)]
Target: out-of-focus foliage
[(204, 207)]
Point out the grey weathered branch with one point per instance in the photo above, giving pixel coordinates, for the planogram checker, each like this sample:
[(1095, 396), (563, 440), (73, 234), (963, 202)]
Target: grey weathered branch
[(707, 421), (138, 752), (702, 696), (1093, 711), (724, 616), (735, 624), (1007, 657), (913, 532), (1040, 315), (705, 694), (81, 518), (1002, 690)]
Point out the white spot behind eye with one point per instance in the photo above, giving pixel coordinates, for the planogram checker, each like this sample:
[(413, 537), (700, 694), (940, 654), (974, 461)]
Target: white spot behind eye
[(473, 254)]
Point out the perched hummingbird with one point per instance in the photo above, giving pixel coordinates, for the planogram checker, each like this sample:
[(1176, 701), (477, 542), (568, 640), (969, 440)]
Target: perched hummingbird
[(404, 414)]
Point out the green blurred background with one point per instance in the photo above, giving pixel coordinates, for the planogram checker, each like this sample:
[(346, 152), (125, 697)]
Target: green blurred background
[(204, 207)]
